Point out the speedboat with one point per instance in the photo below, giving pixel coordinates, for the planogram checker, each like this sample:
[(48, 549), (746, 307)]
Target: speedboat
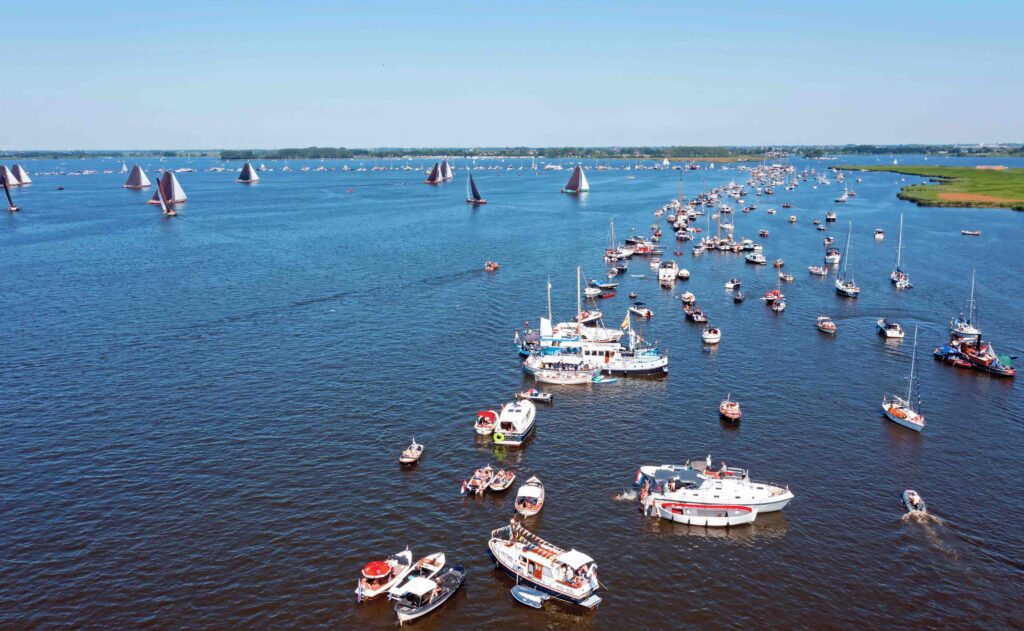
[(826, 325), (890, 328), (756, 258), (711, 335), (427, 567), (534, 394), (568, 575), (412, 453), (730, 409), (817, 271), (639, 309), (502, 480), (530, 497), (733, 283), (688, 298), (423, 595), (586, 317), (515, 423), (485, 420), (380, 576), (913, 502)]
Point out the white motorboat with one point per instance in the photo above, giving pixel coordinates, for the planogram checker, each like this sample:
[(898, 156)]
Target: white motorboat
[(427, 567), (412, 453), (502, 480), (424, 595), (683, 274), (903, 411), (568, 575), (733, 283), (667, 272), (534, 394), (639, 309), (833, 256), (779, 305), (817, 271), (711, 335), (708, 515), (485, 420), (530, 497), (889, 328), (879, 234), (515, 423), (756, 258), (586, 317), (688, 298), (380, 576)]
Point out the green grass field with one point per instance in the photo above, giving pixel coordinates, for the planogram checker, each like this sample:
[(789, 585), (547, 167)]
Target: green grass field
[(960, 186)]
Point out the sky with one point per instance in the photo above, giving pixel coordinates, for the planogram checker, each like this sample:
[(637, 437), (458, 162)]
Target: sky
[(216, 74)]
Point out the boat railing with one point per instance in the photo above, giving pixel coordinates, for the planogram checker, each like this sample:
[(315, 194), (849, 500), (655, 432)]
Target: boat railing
[(780, 487)]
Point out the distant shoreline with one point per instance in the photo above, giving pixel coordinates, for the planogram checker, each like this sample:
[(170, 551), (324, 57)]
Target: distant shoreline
[(958, 187)]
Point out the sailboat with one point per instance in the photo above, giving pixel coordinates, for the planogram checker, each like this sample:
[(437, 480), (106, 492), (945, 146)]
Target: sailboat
[(435, 176), (171, 189), (22, 175), (165, 207), (8, 177), (577, 182), (472, 194), (124, 168), (7, 190), (904, 411), (137, 179), (966, 326), (900, 278), (446, 171), (845, 285), (248, 175)]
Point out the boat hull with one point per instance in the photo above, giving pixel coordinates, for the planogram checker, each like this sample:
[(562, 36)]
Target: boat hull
[(708, 515), (901, 420)]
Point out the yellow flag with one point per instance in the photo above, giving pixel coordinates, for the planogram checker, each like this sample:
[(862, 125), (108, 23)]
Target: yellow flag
[(625, 323)]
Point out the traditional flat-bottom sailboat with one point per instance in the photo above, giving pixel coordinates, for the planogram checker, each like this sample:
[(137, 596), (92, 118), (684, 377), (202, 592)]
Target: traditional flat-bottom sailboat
[(473, 195)]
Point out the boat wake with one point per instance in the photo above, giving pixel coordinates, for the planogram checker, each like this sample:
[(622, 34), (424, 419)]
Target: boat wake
[(929, 524), (625, 496)]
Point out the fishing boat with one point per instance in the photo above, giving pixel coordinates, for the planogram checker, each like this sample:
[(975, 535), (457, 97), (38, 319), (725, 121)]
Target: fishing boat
[(971, 233), (137, 179), (756, 258), (845, 285), (435, 176), (903, 411), (641, 310), (485, 420), (479, 482), (412, 453), (380, 576), (826, 325), (569, 576), (530, 497), (472, 193), (248, 175), (529, 597), (577, 182), (889, 328), (502, 480), (913, 502), (711, 335), (515, 423), (11, 206), (534, 394), (427, 567), (424, 595), (983, 356)]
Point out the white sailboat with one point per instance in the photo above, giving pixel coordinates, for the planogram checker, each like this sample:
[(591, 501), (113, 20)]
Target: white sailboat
[(898, 277), (173, 193), (446, 171), (137, 179), (248, 175), (903, 411), (966, 326), (22, 175), (124, 168), (845, 285)]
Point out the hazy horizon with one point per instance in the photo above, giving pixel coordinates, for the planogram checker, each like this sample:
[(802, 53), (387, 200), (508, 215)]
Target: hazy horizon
[(406, 75)]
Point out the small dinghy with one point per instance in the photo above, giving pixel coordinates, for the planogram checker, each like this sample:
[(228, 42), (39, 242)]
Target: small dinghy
[(380, 576), (913, 502), (534, 394), (485, 421), (730, 409), (502, 480), (530, 497), (412, 453), (632, 295), (477, 484), (423, 595), (529, 597), (598, 378)]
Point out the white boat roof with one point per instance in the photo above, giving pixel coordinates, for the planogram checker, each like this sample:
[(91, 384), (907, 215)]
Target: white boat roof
[(574, 559), (529, 491), (419, 586)]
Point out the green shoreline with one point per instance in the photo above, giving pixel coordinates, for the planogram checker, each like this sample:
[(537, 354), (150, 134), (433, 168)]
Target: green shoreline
[(993, 188)]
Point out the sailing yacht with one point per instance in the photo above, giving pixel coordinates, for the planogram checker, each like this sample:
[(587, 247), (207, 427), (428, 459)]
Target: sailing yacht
[(435, 176), (845, 285), (248, 175), (577, 182), (446, 171), (898, 277), (472, 194), (137, 179), (11, 206), (903, 411), (965, 326), (21, 174), (166, 207), (171, 189)]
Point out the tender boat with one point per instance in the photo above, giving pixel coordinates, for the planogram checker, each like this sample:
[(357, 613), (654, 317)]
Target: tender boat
[(730, 409), (913, 502), (412, 453), (380, 576), (427, 567), (683, 274), (901, 410), (711, 335), (480, 481), (569, 576), (708, 515), (534, 394), (529, 597), (889, 328), (515, 423), (423, 595), (826, 325), (502, 480), (485, 420), (638, 308), (530, 497)]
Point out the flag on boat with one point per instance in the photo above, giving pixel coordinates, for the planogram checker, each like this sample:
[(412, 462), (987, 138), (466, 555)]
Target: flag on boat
[(625, 323)]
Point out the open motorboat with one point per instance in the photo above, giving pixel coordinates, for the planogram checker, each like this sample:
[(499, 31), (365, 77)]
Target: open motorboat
[(380, 576), (491, 266), (412, 453), (733, 283), (697, 483), (530, 497), (485, 420), (515, 423), (913, 502), (889, 328), (826, 325), (879, 234), (709, 515), (529, 596), (903, 411), (730, 409), (638, 308), (695, 314), (971, 233), (423, 595), (688, 298), (817, 270), (536, 395), (711, 335), (480, 481), (738, 297), (427, 567), (786, 277), (568, 575), (792, 218), (586, 317), (779, 305), (502, 480), (683, 274)]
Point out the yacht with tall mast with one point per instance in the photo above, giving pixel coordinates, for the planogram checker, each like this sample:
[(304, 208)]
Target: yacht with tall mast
[(472, 193), (903, 411), (845, 284), (899, 277)]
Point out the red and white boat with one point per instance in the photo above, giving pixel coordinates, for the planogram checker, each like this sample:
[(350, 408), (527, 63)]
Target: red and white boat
[(485, 421), (710, 515), (380, 576), (731, 410)]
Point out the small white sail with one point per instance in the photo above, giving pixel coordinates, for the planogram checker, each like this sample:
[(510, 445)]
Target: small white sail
[(9, 177), (22, 175), (137, 179), (446, 171), (584, 185), (172, 189)]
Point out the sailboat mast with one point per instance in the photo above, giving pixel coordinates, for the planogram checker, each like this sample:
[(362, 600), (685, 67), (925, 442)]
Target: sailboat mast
[(913, 361), (549, 298), (899, 243), (970, 305), (579, 307)]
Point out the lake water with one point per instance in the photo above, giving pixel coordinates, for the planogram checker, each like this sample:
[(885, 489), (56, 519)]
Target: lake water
[(201, 416)]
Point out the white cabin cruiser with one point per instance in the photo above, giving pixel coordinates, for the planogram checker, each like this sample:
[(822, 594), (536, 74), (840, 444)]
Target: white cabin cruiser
[(515, 423), (667, 272)]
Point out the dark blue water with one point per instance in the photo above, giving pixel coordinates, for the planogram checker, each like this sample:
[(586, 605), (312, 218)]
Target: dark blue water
[(201, 416)]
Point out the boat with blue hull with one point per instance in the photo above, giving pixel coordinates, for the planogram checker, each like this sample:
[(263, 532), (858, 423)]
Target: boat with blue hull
[(515, 423)]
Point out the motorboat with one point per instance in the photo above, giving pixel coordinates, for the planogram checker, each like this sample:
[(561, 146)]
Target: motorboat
[(380, 576), (707, 515), (971, 233), (639, 309), (586, 317), (667, 272), (756, 258), (772, 296), (786, 277), (424, 595), (826, 325), (821, 228), (477, 484), (730, 409), (763, 233), (829, 241), (530, 497), (778, 263), (536, 395), (913, 502), (903, 411), (779, 305), (833, 256), (711, 335), (830, 216), (889, 328), (817, 270), (491, 266), (983, 356), (529, 596), (568, 575), (695, 314), (738, 297), (427, 567), (515, 423), (591, 292), (683, 274), (412, 453), (733, 283), (485, 420), (792, 218), (688, 298), (502, 480), (879, 234)]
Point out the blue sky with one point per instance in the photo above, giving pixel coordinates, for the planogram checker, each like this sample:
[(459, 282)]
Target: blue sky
[(95, 75)]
